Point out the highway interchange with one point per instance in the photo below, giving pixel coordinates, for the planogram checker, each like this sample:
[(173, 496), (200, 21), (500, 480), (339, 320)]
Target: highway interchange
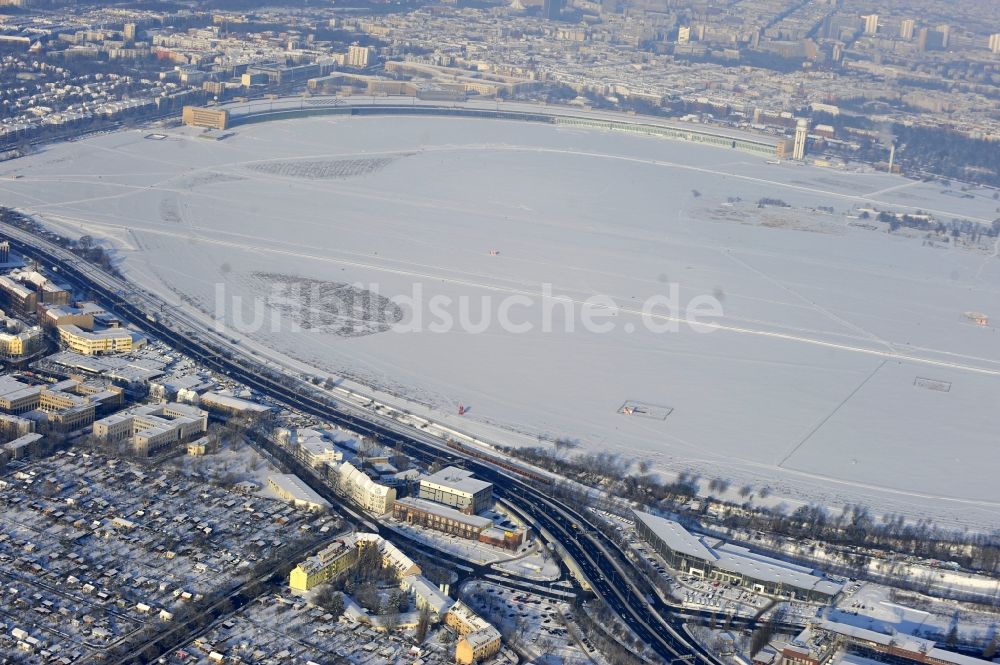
[(597, 562)]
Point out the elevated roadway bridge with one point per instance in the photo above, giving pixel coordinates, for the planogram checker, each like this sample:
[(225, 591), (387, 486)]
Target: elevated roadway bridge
[(597, 560)]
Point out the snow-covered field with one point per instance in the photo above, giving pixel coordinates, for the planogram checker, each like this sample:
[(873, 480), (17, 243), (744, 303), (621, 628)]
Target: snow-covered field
[(813, 381), (874, 607)]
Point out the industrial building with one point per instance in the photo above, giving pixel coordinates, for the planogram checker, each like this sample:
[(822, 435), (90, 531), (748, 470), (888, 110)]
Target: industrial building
[(457, 488), (373, 85), (62, 412), (132, 374), (290, 487), (486, 84), (276, 74), (61, 407), (441, 85), (233, 406), (105, 397), (183, 388), (761, 145), (82, 315), (17, 397), (730, 564)]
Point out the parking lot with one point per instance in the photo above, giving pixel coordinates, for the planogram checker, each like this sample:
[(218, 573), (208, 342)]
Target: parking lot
[(537, 627)]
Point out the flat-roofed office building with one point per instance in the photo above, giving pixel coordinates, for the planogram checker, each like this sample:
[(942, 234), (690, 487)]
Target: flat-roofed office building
[(457, 488), (197, 116), (98, 342)]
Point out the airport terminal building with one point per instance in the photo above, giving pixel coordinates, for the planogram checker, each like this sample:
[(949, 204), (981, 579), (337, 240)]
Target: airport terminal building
[(731, 564)]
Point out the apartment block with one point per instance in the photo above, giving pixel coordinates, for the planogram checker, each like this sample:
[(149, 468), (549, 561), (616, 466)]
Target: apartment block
[(457, 488), (479, 639), (362, 490), (323, 566)]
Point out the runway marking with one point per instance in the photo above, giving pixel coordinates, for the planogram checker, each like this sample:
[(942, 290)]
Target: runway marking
[(866, 198), (822, 310), (837, 408), (659, 317), (766, 469), (894, 188), (888, 354), (700, 169)]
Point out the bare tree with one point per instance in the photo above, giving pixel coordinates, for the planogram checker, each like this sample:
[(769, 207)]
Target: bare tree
[(563, 444), (423, 624), (391, 619)]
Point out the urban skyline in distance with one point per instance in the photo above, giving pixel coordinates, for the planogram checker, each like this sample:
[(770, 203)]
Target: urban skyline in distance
[(562, 332)]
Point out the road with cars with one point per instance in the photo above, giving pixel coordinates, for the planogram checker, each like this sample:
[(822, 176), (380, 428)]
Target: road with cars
[(596, 560)]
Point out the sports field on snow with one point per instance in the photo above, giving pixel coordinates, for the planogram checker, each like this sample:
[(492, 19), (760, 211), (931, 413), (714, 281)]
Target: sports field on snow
[(822, 378)]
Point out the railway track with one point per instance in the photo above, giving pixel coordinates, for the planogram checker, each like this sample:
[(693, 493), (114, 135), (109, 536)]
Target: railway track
[(597, 561)]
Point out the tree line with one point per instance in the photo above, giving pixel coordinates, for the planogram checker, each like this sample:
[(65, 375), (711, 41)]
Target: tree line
[(854, 526)]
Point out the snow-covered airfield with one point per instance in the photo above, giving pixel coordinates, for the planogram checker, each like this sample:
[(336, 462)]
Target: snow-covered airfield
[(842, 369)]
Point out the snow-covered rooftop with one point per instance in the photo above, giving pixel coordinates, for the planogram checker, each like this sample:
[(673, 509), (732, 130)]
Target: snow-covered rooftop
[(460, 480), (675, 536)]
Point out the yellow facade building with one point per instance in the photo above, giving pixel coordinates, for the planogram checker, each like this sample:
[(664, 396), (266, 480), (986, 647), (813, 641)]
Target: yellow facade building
[(323, 566), (17, 397), (197, 116), (97, 342), (479, 639), (18, 340)]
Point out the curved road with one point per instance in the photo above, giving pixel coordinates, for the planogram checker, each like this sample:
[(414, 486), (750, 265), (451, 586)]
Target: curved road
[(599, 562)]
